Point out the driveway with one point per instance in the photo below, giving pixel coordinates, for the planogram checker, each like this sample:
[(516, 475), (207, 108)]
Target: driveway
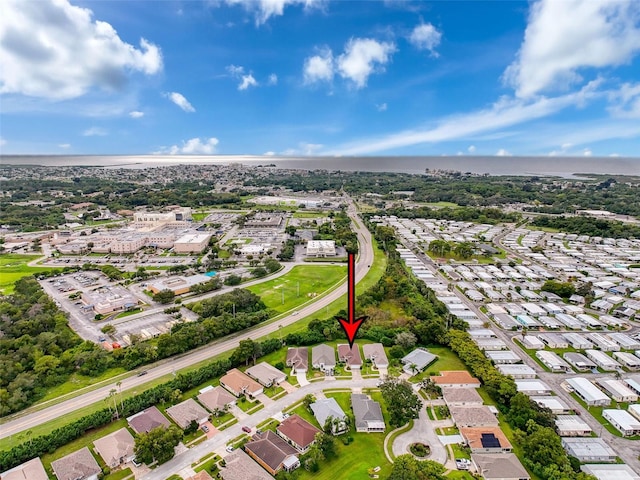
[(423, 432)]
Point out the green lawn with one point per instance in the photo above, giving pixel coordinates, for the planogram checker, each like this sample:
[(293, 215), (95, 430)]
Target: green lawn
[(353, 461), (459, 475), (13, 267), (246, 405), (447, 360), (302, 284), (119, 475), (217, 421), (199, 217), (273, 391), (309, 214), (129, 312)]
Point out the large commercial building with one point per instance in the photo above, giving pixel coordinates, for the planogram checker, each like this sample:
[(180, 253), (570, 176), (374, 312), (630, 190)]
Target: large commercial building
[(178, 284), (321, 248), (192, 243), (105, 300)]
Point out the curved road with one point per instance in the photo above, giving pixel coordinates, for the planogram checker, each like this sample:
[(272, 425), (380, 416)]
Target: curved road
[(172, 365)]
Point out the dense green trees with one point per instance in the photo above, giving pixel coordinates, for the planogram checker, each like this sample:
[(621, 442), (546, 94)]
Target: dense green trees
[(164, 296), (158, 444), (402, 403), (562, 289), (593, 227), (407, 467)]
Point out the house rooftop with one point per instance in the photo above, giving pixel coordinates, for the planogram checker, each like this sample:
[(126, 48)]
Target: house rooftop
[(499, 466), (31, 470), (79, 464), (455, 377), (270, 448), (115, 446), (240, 466), (147, 420), (298, 430)]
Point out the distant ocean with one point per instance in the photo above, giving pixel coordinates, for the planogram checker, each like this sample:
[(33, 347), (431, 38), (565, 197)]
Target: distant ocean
[(542, 166)]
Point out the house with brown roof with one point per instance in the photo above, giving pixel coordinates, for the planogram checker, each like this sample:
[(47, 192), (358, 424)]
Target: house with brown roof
[(79, 465), (216, 399), (298, 360), (499, 466), (298, 432), (31, 470), (147, 420), (266, 374), (186, 412), (240, 384), (272, 452), (455, 378), (460, 397), (375, 352), (480, 416), (485, 439), (239, 466), (116, 448), (350, 356)]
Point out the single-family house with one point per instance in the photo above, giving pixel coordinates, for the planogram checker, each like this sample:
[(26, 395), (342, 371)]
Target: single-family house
[(455, 378), (474, 416), (298, 359), (327, 408), (186, 412), (367, 413), (147, 420), (350, 356), (323, 358), (572, 426), (623, 421), (485, 439), (417, 360), (375, 352), (216, 399), (240, 384), (31, 470), (589, 449), (116, 448), (239, 466), (298, 432), (79, 465), (460, 397), (499, 466), (272, 452), (266, 374)]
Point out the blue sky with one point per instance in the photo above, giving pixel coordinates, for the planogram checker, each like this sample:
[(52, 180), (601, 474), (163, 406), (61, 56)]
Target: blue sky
[(313, 77)]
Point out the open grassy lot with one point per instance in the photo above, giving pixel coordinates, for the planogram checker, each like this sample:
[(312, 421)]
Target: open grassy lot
[(310, 215), (301, 284), (447, 360), (13, 267)]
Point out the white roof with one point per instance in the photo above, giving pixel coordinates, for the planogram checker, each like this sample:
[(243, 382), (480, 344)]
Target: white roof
[(610, 471), (622, 418), (587, 390)]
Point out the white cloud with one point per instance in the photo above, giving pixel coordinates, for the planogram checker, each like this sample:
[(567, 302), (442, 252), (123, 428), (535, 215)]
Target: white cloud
[(471, 149), (180, 101), (136, 114), (273, 79), (626, 101), (382, 107), (269, 154), (95, 132), (614, 155), (265, 9), (193, 146), (304, 148), (503, 153), (65, 146), (504, 113), (319, 68), (3, 142), (426, 37), (55, 50), (247, 81), (563, 37), (362, 57), (587, 152), (234, 70)]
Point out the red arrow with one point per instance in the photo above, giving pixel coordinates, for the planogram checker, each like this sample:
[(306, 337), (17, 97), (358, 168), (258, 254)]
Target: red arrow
[(351, 324)]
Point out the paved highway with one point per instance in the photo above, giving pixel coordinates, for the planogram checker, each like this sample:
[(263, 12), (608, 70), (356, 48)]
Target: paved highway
[(172, 365)]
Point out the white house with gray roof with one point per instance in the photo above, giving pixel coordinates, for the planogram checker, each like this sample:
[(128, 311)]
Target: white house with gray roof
[(326, 408), (367, 413), (323, 358), (417, 361)]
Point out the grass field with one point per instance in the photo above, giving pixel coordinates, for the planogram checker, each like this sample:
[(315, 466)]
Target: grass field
[(199, 216), (301, 284), (310, 215), (13, 267)]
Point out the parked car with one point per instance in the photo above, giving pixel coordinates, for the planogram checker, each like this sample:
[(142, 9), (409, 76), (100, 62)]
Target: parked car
[(144, 372), (205, 429), (246, 429), (230, 448)]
